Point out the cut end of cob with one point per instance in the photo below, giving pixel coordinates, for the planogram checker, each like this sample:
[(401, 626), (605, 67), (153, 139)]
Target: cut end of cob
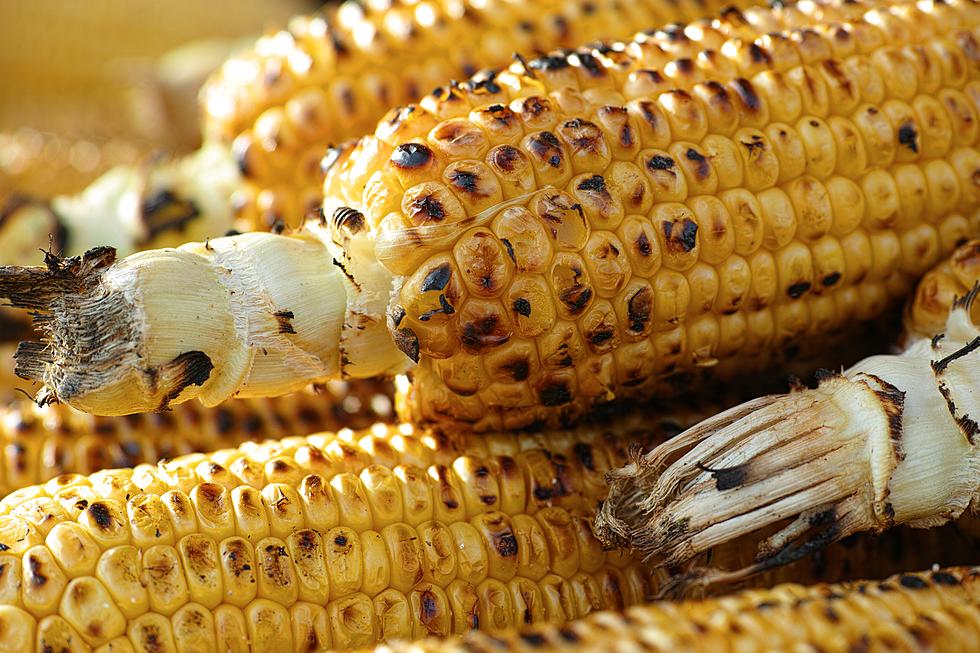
[(164, 326), (890, 441)]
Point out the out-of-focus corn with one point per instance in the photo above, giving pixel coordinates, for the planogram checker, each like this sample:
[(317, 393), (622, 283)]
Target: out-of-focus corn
[(934, 610), (337, 541), (39, 443), (329, 77), (953, 278)]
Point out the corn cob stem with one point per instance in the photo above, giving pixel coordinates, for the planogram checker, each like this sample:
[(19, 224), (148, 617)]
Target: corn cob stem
[(936, 610), (525, 303), (893, 440)]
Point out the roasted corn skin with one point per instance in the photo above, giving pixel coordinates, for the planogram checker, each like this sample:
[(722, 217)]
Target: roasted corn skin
[(40, 443), (937, 610), (953, 278), (600, 224), (336, 540), (330, 77)]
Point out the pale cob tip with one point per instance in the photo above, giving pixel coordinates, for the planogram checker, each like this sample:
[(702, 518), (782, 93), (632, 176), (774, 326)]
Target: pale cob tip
[(891, 441)]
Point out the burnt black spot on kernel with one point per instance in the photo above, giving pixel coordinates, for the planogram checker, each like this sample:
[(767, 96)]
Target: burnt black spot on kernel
[(534, 639), (685, 66), (509, 248), (506, 157), (595, 184), (427, 208), (488, 499), (658, 162), (568, 635), (550, 62), (340, 540), (831, 279), (639, 308), (546, 147), (643, 246), (505, 543), (445, 308), (702, 168), (583, 135), (555, 394), (284, 321), (908, 137), (576, 297), (913, 582), (798, 289), (429, 607), (681, 236), (409, 156), (100, 513), (483, 332), (944, 578), (465, 181), (437, 279), (747, 93), (601, 334), (483, 83), (759, 54), (518, 369), (591, 64), (522, 307), (37, 578)]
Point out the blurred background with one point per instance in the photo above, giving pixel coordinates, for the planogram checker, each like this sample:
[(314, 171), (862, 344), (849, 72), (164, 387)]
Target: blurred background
[(89, 84)]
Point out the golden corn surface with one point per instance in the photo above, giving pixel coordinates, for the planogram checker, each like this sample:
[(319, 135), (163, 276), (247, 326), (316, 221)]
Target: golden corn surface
[(40, 443), (329, 77), (335, 541), (616, 221), (932, 610), (953, 278)]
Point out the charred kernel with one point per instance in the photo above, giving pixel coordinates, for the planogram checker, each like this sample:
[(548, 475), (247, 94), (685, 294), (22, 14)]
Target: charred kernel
[(831, 279), (913, 582), (555, 394), (437, 279), (797, 290), (411, 155), (427, 208), (908, 137), (640, 309), (522, 307), (680, 237), (506, 158), (546, 148)]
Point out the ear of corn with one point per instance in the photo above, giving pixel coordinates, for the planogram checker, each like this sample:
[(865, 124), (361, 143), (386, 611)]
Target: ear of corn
[(334, 541), (638, 217), (938, 610), (892, 440), (40, 443), (338, 541), (329, 77)]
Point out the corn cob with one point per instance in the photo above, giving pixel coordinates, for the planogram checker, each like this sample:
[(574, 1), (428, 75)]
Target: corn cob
[(328, 77), (335, 540), (332, 540), (723, 228), (934, 610), (926, 312), (893, 440), (40, 443)]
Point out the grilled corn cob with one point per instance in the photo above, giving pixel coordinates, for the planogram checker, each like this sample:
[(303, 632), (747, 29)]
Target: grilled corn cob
[(37, 444), (335, 540), (933, 610), (596, 224), (893, 440), (329, 77), (332, 540)]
